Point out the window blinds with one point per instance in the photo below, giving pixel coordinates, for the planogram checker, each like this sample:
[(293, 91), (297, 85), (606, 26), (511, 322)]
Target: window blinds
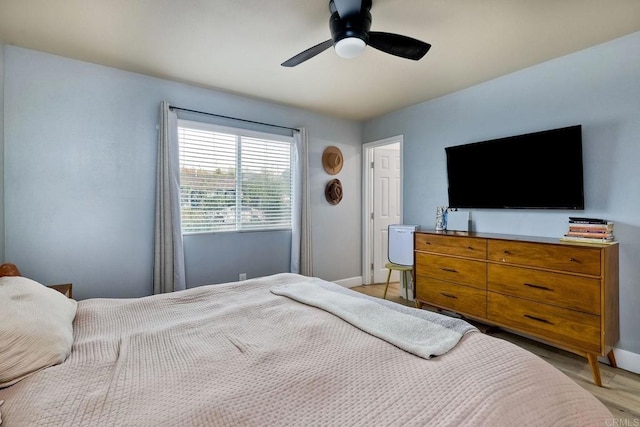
[(233, 180)]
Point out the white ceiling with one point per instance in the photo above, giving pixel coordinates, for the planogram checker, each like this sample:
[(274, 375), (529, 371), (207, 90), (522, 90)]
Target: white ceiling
[(238, 45)]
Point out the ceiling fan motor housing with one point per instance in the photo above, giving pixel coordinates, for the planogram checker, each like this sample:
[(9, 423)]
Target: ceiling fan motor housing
[(357, 25)]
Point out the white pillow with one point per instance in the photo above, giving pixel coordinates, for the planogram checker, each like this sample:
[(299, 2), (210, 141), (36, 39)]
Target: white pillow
[(35, 328)]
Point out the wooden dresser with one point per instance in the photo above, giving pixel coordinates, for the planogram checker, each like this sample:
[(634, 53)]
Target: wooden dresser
[(564, 294)]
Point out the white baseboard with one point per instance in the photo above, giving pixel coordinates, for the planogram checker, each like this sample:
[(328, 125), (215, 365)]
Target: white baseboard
[(350, 282), (627, 360)]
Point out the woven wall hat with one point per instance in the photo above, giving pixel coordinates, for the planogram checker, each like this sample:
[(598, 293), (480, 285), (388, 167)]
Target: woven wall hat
[(333, 191), (332, 160)]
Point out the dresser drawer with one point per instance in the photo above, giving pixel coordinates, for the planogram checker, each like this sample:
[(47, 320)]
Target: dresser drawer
[(559, 325), (451, 245), (562, 290), (458, 270), (574, 259), (458, 298)]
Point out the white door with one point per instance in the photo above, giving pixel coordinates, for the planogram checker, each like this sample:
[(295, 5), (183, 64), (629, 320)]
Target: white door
[(386, 206)]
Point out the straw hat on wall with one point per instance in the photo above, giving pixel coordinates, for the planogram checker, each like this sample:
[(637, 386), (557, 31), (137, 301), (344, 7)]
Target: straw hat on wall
[(333, 191), (332, 160)]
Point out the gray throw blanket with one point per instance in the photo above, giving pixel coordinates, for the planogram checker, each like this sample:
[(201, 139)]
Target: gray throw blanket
[(419, 332)]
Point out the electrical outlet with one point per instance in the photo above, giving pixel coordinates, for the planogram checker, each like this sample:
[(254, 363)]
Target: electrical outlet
[(242, 276)]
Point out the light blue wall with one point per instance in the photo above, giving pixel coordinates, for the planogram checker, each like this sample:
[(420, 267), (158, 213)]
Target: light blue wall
[(262, 254), (598, 88), (80, 144)]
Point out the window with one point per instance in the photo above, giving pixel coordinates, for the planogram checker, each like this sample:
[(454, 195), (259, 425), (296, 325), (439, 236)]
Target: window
[(233, 180)]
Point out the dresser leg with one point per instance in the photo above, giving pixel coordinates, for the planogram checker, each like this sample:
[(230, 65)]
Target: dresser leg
[(612, 359), (595, 369)]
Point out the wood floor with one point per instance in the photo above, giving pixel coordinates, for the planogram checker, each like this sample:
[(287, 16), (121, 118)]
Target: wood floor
[(620, 391)]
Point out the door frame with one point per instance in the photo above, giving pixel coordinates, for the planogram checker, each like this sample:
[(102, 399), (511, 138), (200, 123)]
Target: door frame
[(367, 200)]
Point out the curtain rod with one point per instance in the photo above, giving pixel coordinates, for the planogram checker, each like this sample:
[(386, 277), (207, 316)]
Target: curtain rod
[(173, 107)]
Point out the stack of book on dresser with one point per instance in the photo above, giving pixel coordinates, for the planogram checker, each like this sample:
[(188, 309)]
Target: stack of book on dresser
[(589, 230)]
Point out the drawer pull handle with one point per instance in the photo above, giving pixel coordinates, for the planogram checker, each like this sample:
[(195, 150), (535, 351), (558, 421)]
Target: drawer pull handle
[(470, 248), (506, 252), (448, 295), (538, 319), (450, 270), (544, 288), (573, 260)]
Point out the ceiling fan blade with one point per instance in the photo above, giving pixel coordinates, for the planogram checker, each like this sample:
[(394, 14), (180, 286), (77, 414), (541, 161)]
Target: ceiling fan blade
[(307, 54), (395, 44), (346, 7)]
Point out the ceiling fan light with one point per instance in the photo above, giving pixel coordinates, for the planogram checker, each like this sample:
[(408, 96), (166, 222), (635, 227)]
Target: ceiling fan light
[(350, 47)]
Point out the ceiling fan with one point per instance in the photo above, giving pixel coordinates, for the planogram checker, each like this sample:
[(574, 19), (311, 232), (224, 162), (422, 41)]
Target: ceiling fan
[(349, 23)]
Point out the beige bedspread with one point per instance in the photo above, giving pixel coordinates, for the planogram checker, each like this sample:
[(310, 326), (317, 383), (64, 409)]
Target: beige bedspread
[(237, 354)]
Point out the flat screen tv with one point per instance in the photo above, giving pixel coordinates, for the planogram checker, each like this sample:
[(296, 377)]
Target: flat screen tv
[(541, 170)]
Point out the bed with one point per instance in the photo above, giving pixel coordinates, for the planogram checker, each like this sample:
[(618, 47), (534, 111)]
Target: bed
[(249, 354)]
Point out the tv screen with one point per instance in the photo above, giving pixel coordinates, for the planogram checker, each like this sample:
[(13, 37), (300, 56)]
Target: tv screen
[(541, 170)]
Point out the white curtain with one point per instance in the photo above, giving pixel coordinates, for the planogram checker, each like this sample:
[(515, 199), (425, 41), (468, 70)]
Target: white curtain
[(168, 262), (301, 256)]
